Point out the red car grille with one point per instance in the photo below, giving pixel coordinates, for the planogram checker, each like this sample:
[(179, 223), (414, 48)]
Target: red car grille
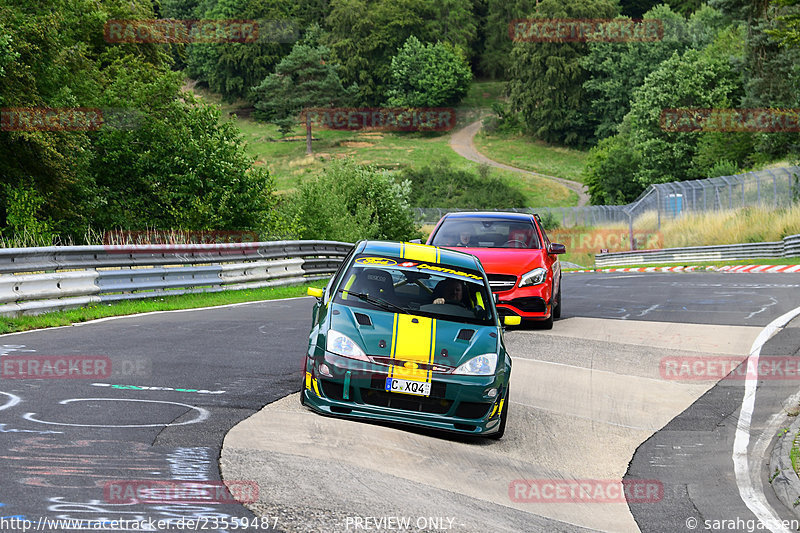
[(501, 282)]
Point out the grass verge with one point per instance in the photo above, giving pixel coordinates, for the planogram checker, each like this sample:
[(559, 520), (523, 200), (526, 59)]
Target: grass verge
[(161, 303), (529, 154)]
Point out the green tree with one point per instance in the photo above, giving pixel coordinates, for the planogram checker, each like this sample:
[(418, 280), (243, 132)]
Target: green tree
[(788, 31), (58, 56), (643, 152), (174, 165), (427, 75), (546, 78), (494, 60), (181, 166), (635, 8), (364, 35), (617, 69), (685, 7), (305, 78), (233, 68), (609, 171), (697, 79), (771, 71), (179, 9)]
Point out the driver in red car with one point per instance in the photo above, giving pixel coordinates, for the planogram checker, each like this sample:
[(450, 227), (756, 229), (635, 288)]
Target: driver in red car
[(465, 238)]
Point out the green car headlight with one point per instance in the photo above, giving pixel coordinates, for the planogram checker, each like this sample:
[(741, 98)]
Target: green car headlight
[(341, 344), (482, 365), (537, 276)]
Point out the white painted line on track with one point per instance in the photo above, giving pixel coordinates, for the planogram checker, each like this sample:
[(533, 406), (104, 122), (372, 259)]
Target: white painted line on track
[(203, 414), (13, 400), (753, 497)]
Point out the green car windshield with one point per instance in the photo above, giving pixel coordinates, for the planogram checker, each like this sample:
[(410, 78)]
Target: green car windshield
[(417, 288)]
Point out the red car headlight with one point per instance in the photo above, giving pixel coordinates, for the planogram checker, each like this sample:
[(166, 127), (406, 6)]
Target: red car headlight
[(537, 276)]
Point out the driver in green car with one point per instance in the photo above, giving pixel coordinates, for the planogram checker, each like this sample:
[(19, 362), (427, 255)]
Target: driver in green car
[(451, 291)]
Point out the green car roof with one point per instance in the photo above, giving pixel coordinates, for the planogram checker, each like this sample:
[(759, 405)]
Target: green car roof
[(420, 252)]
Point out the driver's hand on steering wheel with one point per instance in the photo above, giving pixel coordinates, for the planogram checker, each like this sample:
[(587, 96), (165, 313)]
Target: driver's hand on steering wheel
[(439, 301)]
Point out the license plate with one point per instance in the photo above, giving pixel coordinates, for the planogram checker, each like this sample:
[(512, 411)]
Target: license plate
[(404, 386)]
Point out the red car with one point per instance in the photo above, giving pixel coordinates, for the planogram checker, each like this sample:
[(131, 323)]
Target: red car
[(520, 261)]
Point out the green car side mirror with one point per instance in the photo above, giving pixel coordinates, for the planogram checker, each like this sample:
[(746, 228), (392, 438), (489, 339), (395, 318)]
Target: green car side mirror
[(315, 292)]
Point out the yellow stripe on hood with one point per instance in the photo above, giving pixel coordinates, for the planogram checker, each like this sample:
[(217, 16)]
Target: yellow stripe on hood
[(413, 340)]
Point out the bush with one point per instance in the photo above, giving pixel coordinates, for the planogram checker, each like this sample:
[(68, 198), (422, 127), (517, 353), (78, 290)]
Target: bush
[(428, 75), (349, 202), (441, 185), (23, 205), (609, 170), (504, 120), (734, 149), (723, 168)]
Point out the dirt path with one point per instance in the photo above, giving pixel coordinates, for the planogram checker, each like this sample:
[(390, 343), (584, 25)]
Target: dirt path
[(462, 143)]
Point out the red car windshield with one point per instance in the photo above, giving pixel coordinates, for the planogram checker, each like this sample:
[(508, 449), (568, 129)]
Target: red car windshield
[(486, 233)]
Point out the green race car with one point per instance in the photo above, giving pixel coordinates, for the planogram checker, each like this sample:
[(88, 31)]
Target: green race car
[(408, 333)]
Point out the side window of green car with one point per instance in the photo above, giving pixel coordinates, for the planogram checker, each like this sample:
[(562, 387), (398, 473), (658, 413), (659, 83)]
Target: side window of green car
[(338, 275)]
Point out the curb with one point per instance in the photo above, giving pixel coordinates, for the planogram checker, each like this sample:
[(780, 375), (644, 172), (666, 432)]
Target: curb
[(738, 269), (785, 482)]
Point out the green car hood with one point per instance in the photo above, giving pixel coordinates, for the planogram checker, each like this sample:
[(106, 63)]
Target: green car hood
[(448, 348)]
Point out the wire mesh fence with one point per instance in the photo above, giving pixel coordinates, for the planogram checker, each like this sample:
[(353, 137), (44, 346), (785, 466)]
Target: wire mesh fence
[(774, 188)]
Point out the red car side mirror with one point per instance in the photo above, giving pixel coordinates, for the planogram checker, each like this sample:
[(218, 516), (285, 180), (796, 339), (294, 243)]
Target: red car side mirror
[(556, 248)]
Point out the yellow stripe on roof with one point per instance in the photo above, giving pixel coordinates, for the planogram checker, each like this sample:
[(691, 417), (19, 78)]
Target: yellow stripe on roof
[(420, 252)]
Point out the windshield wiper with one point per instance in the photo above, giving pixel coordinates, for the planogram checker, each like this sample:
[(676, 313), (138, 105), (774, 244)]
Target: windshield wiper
[(379, 302)]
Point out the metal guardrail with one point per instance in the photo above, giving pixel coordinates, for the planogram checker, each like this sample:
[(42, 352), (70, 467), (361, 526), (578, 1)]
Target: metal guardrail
[(38, 280), (788, 247), (791, 246)]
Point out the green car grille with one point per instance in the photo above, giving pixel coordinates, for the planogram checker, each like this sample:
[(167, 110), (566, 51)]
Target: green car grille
[(434, 404)]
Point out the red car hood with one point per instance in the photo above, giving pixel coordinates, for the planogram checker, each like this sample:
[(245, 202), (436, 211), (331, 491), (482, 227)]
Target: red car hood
[(513, 261)]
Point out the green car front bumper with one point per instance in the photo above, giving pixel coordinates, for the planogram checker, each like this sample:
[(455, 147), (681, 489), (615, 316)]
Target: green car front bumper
[(356, 389)]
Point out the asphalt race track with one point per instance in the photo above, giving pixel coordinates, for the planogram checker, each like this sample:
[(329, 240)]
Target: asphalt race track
[(591, 403)]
